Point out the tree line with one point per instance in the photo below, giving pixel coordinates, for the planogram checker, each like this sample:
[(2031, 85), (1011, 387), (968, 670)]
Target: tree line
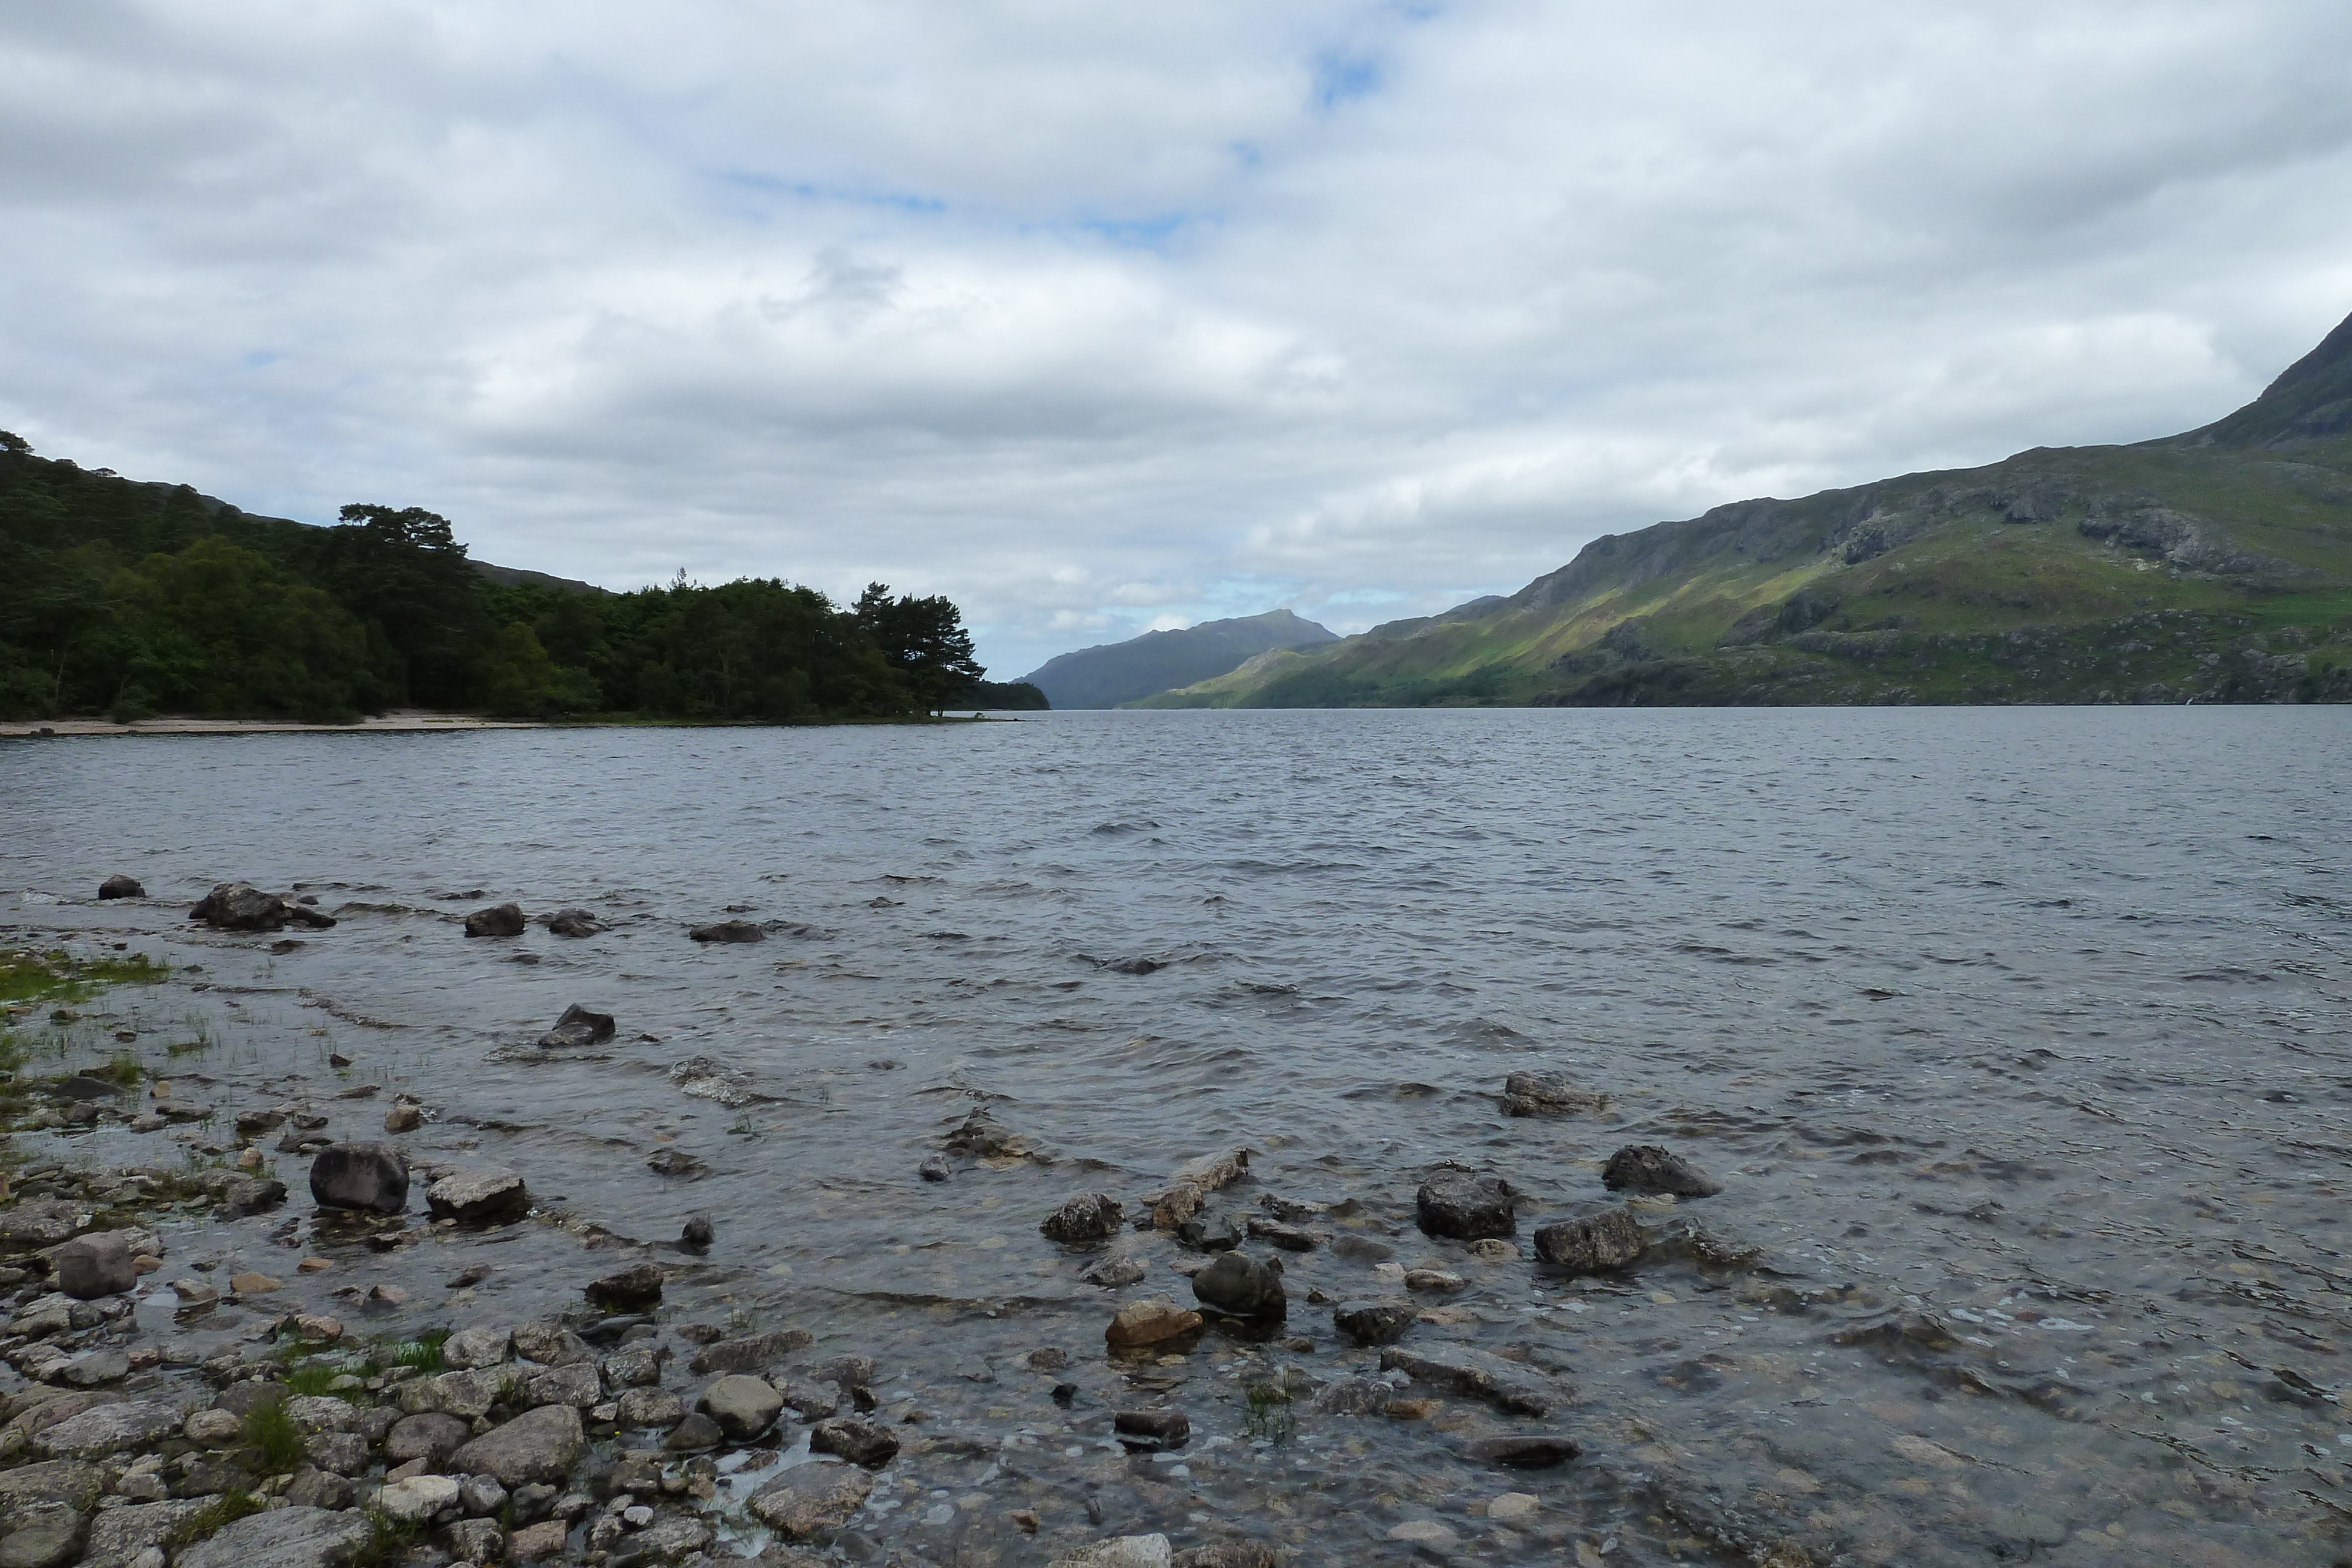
[(131, 600)]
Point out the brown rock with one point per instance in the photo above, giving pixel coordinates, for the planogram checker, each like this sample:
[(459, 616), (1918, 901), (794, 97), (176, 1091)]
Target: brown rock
[(1146, 1324)]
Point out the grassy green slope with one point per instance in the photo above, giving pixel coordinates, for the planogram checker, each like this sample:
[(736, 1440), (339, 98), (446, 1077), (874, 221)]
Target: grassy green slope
[(2213, 566)]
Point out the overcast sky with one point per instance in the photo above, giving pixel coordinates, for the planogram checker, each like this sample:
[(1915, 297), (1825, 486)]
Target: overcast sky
[(1101, 316)]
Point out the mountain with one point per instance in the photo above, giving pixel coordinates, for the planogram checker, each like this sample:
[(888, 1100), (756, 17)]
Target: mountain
[(1116, 672), (2214, 566)]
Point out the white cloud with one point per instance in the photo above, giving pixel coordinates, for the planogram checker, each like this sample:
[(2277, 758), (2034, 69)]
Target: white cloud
[(1100, 317)]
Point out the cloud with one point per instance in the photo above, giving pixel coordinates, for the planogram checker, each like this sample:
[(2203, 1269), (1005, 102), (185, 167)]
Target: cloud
[(1099, 318)]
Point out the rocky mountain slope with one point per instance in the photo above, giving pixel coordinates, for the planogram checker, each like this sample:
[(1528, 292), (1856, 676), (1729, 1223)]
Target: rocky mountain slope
[(1116, 672), (2214, 566)]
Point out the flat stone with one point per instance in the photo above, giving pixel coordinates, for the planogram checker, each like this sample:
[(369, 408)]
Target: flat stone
[(861, 1442), (1646, 1167), (418, 1497), (281, 1538), (810, 1502), (479, 1197), (1513, 1510), (743, 1407), (538, 1543), (1143, 1324), (1549, 1094), (40, 1222), (467, 1396), (654, 1408), (632, 1290), (96, 1370), (118, 1534), (1375, 1322), (1507, 1384), (68, 1483), (750, 1352), (540, 1445), (1426, 1533), (1120, 1551), (108, 1429)]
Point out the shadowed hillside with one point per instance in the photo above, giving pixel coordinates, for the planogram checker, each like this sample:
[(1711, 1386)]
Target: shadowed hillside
[(1114, 673), (2211, 567)]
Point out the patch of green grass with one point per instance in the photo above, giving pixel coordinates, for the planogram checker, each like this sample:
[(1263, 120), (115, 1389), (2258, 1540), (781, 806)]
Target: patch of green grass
[(387, 1538), (316, 1378), (58, 977), (123, 1068), (1270, 1413), (273, 1434), (423, 1353)]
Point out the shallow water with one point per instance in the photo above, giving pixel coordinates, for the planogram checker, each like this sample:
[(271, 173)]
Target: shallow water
[(2018, 1038)]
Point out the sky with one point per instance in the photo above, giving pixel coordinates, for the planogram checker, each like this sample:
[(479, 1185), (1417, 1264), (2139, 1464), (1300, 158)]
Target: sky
[(1103, 317)]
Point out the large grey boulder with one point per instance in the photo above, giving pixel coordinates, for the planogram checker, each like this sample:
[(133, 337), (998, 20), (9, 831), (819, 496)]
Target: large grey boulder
[(107, 1429), (361, 1176), (282, 1538), (750, 1352), (540, 1445), (743, 1407), (1465, 1206), (118, 1534), (498, 920), (550, 1344), (40, 1222), (1549, 1094), (432, 1435), (99, 1264), (479, 1197)]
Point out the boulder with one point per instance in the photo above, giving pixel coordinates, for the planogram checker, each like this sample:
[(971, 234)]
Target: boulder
[(1647, 1168), (540, 1445), (657, 1407), (1549, 1094), (498, 920), (1229, 1554), (578, 1026), (696, 1235), (1087, 1218), (538, 1543), (1465, 1206), (578, 1386), (810, 1502), (1509, 1385), (417, 1499), (1275, 1233), (248, 1196), (1373, 1323), (981, 1136), (118, 1535), (467, 1396), (730, 931), (120, 887), (1113, 1273), (743, 1407), (550, 1344), (39, 1222), (632, 1290), (373, 1177), (241, 906), (1207, 1233), (749, 1353), (106, 1430), (1158, 1323), (697, 1431), (97, 1264), (1595, 1244), (868, 1442), (479, 1197), (1243, 1287), (404, 1115), (432, 1437), (573, 922), (281, 1538), (41, 1536), (68, 1483), (477, 1347)]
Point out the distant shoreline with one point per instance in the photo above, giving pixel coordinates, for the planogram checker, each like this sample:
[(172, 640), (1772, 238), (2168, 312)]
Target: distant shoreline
[(400, 721)]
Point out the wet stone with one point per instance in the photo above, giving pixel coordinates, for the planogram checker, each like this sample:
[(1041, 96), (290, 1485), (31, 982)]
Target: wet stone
[(248, 1195), (728, 931), (750, 1352), (550, 1344), (810, 1502), (1549, 1094), (1459, 1368), (1647, 1168), (634, 1289), (743, 1407), (121, 887), (370, 1177), (1275, 1233), (696, 1432), (1243, 1287), (97, 1264), (1113, 1273), (573, 922), (1087, 1218), (577, 1385), (1373, 1323), (1151, 1324), (1596, 1244), (498, 920), (1528, 1452), (1152, 1431), (1462, 1205), (487, 1197), (868, 1442), (577, 1027)]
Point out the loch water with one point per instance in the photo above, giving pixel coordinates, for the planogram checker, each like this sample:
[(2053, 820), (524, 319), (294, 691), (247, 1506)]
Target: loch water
[(2018, 1039)]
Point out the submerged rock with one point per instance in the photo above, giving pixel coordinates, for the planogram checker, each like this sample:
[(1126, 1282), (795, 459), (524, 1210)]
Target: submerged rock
[(1152, 1431), (1089, 1217), (750, 1352), (810, 1502), (743, 1407), (1243, 1287), (373, 1177), (121, 887), (730, 931), (983, 1136), (1141, 1325), (1535, 1451), (573, 922), (1120, 1551), (1375, 1322), (707, 1078), (1507, 1384), (479, 1197), (697, 1235), (241, 906), (1595, 1244), (1112, 1273), (498, 920), (1549, 1094), (577, 1027), (866, 1443), (1465, 1206), (1645, 1167)]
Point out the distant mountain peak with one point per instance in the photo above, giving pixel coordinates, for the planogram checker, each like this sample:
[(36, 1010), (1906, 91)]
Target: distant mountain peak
[(1113, 673)]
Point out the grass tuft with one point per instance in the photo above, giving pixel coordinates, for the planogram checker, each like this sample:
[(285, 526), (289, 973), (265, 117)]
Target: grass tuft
[(273, 1436)]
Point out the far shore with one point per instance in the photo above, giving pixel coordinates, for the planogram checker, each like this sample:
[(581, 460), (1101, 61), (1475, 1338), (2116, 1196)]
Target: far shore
[(399, 721)]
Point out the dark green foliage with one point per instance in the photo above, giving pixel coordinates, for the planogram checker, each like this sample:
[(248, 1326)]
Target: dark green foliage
[(1003, 697), (131, 600), (274, 1437)]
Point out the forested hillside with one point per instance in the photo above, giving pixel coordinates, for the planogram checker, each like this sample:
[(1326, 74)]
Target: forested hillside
[(131, 599)]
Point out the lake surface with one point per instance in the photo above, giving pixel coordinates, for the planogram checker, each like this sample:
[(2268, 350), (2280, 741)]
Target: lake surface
[(2019, 1039)]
